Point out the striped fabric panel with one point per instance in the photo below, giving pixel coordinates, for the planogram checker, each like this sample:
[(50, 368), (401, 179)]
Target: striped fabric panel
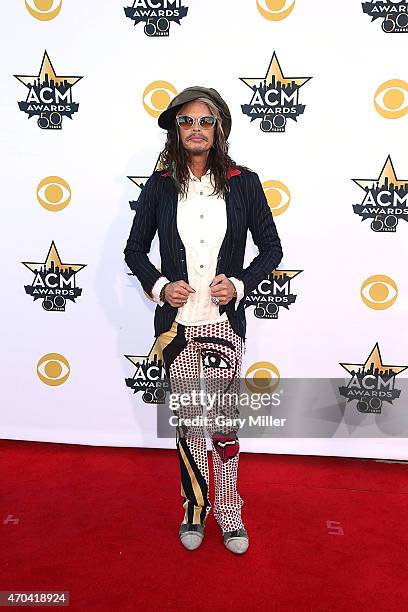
[(264, 233), (142, 232)]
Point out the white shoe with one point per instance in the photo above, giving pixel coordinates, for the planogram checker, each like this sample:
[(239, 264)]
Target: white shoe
[(236, 541), (191, 536)]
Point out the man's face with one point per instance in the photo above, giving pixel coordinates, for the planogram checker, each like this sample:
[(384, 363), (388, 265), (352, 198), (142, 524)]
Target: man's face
[(196, 140)]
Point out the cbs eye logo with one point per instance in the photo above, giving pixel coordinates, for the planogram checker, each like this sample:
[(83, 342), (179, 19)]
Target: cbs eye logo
[(53, 369), (157, 96), (44, 10), (379, 292), (390, 99), (275, 10), (53, 193), (277, 195), (262, 377)]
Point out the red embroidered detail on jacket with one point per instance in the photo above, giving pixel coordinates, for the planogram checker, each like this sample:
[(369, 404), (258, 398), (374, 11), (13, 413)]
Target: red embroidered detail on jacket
[(232, 172), (165, 173)]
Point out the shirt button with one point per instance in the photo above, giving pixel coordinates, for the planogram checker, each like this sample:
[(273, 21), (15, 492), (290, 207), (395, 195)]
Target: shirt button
[(201, 216), (201, 240), (201, 266)]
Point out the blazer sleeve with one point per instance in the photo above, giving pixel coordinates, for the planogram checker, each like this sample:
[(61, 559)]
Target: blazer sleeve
[(143, 229), (264, 235)]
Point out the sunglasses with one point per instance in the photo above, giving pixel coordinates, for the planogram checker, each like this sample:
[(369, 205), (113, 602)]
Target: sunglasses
[(186, 122)]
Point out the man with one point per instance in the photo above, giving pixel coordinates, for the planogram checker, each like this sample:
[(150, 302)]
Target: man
[(202, 205)]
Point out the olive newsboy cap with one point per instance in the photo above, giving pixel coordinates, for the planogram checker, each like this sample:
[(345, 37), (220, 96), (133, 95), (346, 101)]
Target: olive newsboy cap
[(167, 117)]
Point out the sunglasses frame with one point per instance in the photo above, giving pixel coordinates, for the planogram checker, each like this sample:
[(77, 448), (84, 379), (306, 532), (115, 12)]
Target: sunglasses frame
[(196, 119)]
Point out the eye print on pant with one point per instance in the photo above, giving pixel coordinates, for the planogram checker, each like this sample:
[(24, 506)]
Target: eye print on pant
[(219, 358), (214, 359)]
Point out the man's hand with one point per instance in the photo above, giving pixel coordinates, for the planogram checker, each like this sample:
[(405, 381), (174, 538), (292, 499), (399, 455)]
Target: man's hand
[(222, 288), (177, 292)]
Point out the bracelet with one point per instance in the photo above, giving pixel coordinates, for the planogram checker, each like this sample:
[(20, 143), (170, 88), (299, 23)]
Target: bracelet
[(162, 297)]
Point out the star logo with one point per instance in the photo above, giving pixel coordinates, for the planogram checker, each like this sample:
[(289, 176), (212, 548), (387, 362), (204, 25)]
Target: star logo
[(49, 96), (272, 293), (54, 282), (150, 375), (140, 181), (373, 365), (372, 382), (385, 200), (275, 98)]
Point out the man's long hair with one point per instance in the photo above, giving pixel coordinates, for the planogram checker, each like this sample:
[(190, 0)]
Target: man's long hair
[(174, 157)]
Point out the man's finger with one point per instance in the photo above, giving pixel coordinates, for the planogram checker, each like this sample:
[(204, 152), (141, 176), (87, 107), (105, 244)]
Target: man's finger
[(180, 292), (218, 291), (185, 285), (217, 279)]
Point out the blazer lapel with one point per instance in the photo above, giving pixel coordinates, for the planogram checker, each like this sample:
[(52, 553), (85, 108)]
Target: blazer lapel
[(172, 202)]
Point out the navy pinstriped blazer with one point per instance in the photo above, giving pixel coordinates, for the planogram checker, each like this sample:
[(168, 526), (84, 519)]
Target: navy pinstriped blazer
[(246, 208)]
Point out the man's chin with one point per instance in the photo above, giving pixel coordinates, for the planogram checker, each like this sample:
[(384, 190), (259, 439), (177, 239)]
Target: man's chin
[(196, 147)]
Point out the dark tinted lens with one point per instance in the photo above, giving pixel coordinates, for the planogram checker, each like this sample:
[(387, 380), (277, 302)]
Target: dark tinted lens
[(185, 121), (207, 122)]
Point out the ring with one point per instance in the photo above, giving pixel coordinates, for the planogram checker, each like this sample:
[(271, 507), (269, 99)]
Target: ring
[(216, 300)]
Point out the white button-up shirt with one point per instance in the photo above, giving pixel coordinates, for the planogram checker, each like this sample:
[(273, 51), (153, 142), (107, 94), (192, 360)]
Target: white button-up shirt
[(201, 223)]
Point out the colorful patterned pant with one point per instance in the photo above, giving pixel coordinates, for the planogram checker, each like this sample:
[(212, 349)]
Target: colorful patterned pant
[(219, 350)]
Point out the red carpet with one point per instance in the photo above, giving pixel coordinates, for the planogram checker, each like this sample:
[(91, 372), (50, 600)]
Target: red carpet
[(102, 523)]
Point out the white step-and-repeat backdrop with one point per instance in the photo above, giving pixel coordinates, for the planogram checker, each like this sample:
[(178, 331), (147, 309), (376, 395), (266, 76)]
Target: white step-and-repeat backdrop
[(318, 93)]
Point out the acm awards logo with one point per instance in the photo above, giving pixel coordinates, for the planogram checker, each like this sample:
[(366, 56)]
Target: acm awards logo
[(272, 293), (385, 200), (394, 14), (150, 376), (275, 98), (54, 282), (49, 96), (156, 15), (372, 383)]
